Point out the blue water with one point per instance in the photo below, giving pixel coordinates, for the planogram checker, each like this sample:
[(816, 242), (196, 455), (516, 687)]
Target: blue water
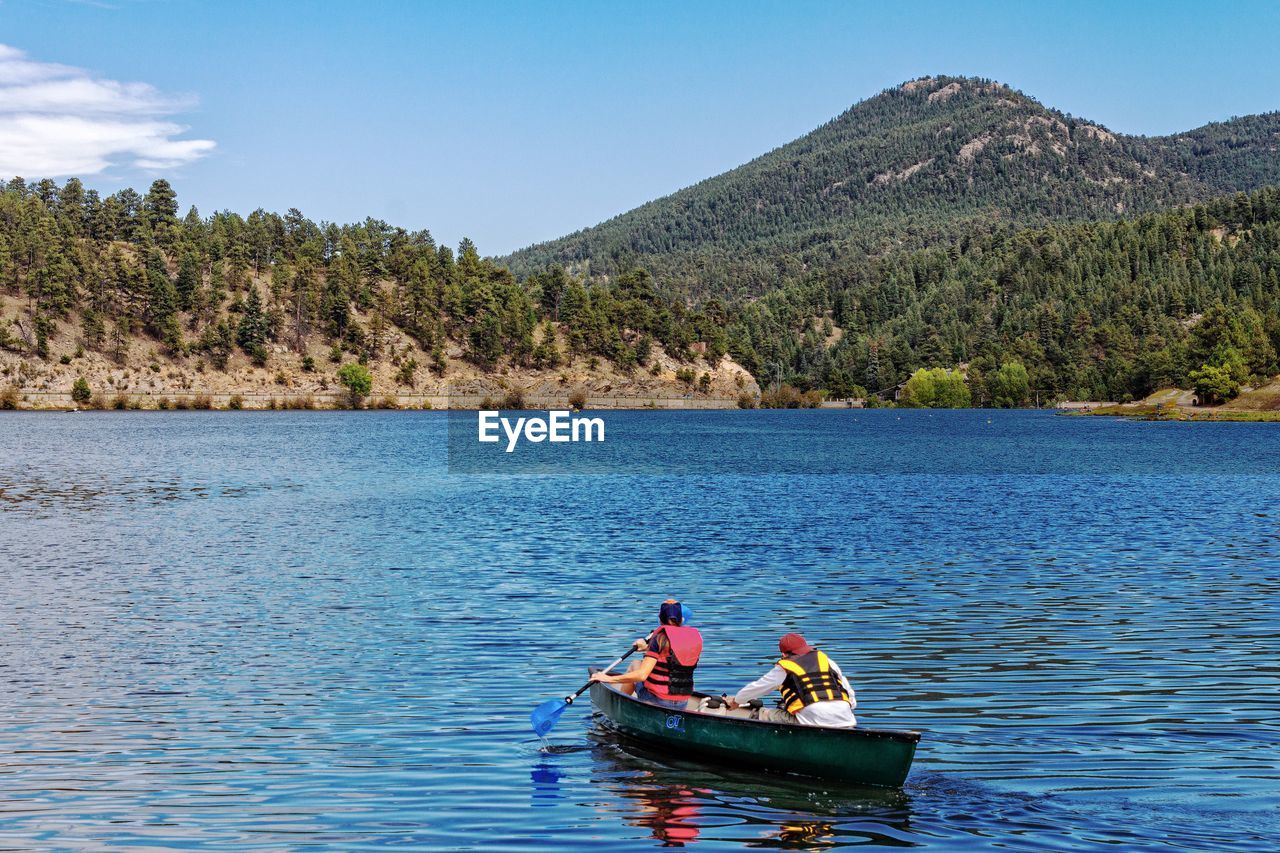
[(306, 631)]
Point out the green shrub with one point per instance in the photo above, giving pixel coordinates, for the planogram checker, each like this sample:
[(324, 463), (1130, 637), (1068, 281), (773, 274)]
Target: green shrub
[(938, 388), (1214, 384), (1009, 386), (358, 381), (9, 398), (406, 374), (80, 391), (787, 397), (304, 402), (578, 399), (235, 403)]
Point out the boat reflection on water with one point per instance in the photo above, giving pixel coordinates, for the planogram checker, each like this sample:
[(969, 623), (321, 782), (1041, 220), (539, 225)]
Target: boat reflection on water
[(813, 835), (681, 802), (669, 812)]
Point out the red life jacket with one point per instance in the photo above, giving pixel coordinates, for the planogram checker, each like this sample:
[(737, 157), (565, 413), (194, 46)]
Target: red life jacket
[(672, 675)]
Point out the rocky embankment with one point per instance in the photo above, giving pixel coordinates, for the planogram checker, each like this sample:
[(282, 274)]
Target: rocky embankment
[(147, 378)]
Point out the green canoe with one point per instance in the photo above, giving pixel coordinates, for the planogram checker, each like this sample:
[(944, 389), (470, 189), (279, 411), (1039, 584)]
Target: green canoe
[(877, 757)]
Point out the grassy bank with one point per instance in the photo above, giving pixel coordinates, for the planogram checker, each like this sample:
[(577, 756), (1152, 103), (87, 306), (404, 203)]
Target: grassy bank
[(1177, 413)]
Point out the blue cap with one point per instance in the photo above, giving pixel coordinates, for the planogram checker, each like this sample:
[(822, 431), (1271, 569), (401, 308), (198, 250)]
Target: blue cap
[(671, 613)]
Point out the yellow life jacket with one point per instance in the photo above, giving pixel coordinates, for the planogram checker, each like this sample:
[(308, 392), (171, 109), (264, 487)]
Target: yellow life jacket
[(810, 679)]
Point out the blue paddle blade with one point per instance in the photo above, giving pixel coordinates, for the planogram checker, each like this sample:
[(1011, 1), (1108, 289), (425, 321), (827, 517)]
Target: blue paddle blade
[(545, 716), (686, 615)]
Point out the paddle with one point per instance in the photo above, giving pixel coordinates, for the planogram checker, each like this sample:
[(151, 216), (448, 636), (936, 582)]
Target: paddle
[(545, 716)]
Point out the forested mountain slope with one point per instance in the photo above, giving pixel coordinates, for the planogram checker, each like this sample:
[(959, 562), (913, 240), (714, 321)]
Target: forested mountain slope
[(125, 280), (1093, 311), (927, 162)]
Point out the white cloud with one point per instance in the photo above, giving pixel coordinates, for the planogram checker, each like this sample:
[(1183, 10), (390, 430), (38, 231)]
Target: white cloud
[(57, 120)]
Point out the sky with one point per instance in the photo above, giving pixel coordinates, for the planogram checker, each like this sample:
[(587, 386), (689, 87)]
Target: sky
[(516, 122)]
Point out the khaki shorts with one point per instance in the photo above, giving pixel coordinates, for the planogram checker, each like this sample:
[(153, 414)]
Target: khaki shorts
[(777, 715)]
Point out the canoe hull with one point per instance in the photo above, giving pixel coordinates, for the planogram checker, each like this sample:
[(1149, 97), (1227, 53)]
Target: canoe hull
[(871, 757)]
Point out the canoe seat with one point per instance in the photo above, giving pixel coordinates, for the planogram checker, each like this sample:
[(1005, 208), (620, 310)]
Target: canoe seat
[(707, 705)]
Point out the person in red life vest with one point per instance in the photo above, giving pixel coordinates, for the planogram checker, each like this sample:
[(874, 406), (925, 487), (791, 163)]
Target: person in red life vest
[(814, 690), (664, 676)]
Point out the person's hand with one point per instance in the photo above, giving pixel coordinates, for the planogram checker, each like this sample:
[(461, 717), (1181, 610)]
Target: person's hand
[(641, 644), (731, 702), (602, 677)]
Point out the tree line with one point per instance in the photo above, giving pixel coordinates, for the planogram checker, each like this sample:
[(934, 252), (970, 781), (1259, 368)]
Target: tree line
[(1098, 311), (111, 270)]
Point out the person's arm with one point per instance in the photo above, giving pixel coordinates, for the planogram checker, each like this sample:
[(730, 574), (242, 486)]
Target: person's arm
[(762, 686), (631, 676), (652, 648)]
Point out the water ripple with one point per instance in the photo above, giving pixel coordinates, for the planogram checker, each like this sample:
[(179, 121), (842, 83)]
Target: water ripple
[(299, 631)]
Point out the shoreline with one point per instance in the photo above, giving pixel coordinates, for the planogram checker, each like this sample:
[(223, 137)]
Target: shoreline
[(1180, 414), (59, 401)]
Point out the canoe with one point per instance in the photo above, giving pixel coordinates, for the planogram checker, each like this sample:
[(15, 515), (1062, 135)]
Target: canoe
[(873, 757)]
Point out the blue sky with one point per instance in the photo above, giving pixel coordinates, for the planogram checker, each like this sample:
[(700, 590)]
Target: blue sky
[(517, 122)]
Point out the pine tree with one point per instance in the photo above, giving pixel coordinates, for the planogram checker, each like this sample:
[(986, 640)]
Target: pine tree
[(873, 367), (251, 333), (188, 279), (160, 206), (162, 300)]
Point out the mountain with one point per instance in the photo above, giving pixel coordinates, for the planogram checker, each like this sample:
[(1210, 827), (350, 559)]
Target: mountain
[(929, 161)]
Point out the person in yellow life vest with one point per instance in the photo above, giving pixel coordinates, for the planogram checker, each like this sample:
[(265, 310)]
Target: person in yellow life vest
[(664, 676), (814, 690)]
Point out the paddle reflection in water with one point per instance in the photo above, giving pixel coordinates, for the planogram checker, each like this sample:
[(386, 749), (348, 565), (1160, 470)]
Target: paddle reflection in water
[(682, 802), (545, 778)]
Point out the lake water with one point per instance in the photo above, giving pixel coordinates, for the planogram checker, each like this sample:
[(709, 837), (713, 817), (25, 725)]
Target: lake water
[(307, 630)]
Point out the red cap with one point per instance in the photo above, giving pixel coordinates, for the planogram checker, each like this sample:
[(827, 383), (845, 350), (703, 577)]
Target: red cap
[(793, 644)]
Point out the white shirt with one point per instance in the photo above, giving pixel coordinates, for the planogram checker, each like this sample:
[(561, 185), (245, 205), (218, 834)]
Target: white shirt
[(837, 714)]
